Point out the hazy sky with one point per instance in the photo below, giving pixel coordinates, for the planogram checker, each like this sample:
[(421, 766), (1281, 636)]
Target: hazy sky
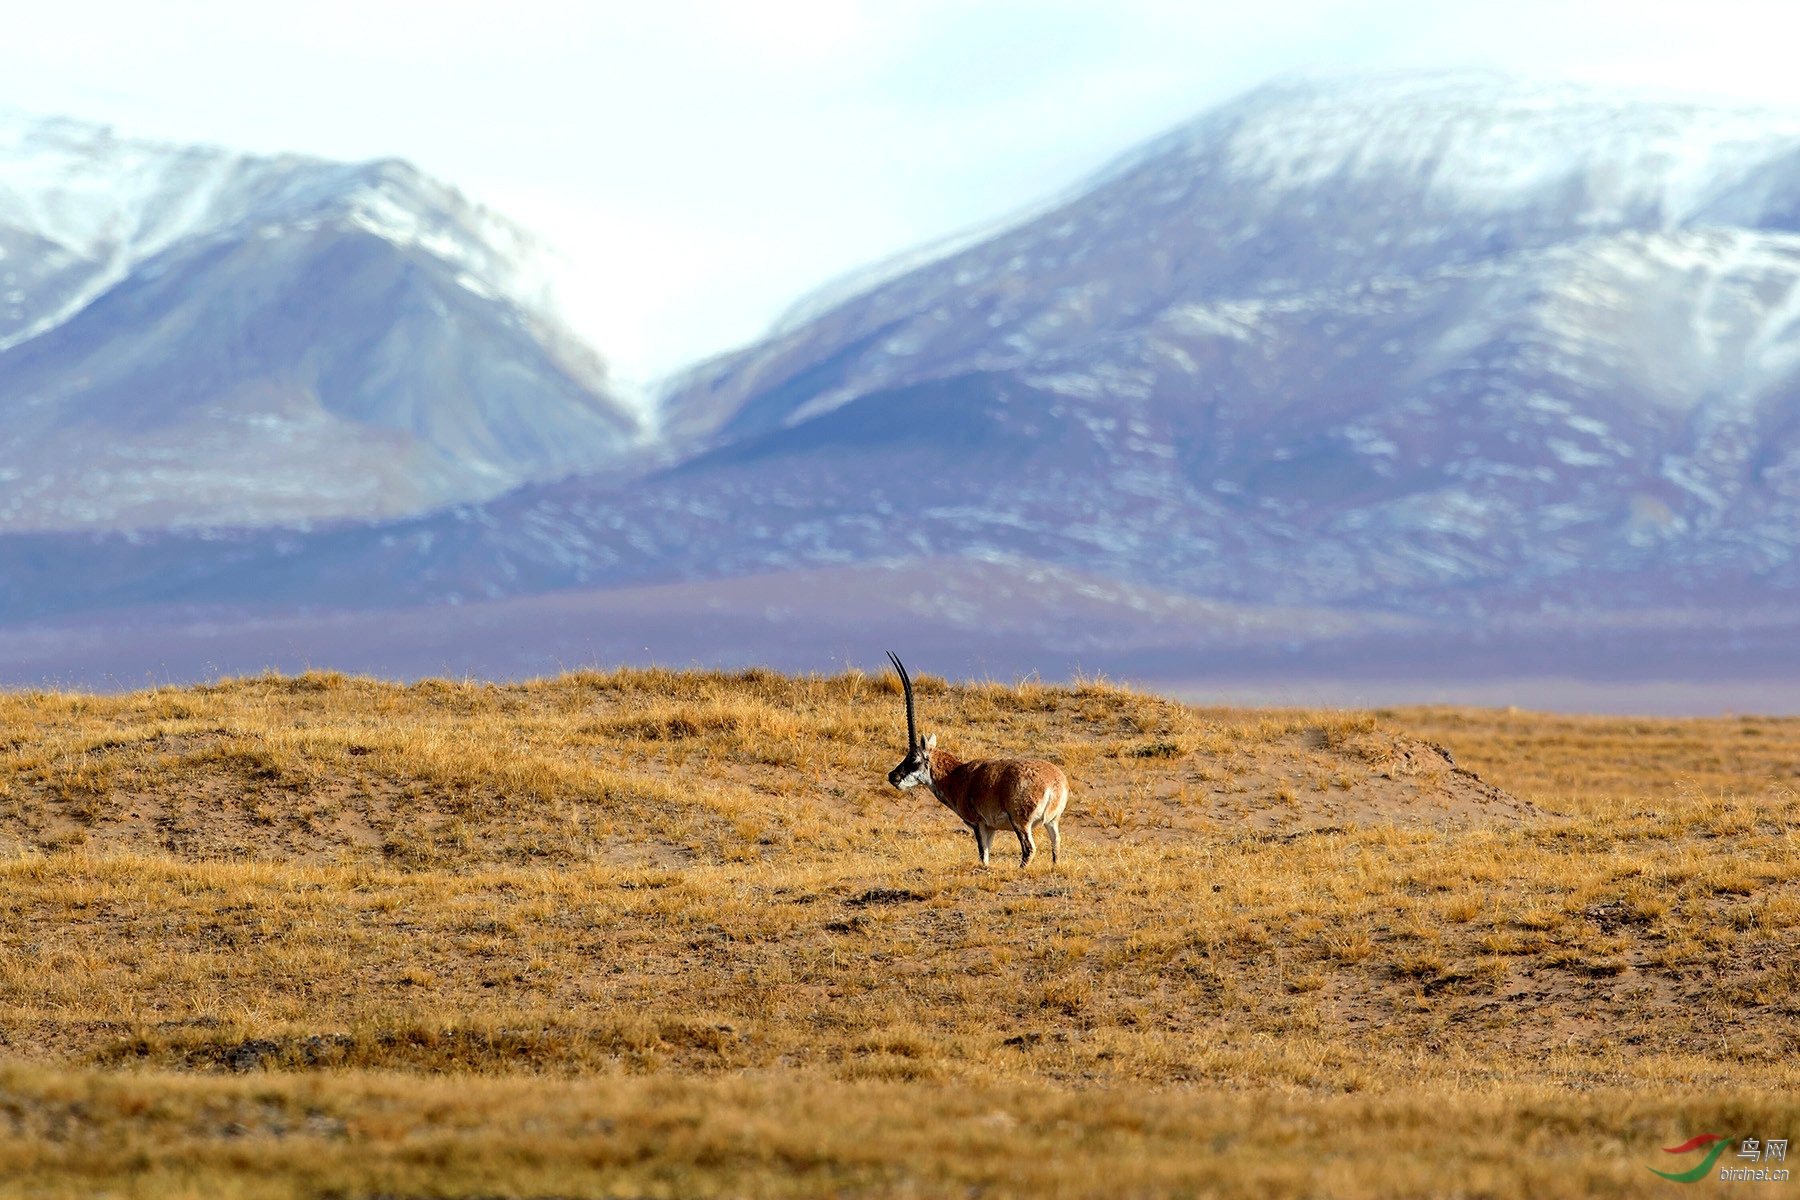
[(705, 164)]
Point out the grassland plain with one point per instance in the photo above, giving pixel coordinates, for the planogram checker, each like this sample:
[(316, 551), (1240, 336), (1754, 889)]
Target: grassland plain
[(653, 933)]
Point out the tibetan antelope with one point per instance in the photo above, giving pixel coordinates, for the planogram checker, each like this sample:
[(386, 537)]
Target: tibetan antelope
[(989, 794)]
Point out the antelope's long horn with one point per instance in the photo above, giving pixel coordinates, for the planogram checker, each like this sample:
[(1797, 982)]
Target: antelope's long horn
[(912, 724)]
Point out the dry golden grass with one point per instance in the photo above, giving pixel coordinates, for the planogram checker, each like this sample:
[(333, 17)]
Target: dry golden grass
[(655, 933)]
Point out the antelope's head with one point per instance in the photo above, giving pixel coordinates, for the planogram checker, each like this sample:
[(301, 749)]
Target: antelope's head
[(915, 768)]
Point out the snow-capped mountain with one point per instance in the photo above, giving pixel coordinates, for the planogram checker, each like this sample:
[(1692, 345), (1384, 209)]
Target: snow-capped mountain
[(1339, 342), (190, 336), (1448, 356)]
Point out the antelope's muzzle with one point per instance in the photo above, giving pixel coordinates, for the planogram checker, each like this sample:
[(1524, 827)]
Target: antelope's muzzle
[(909, 766)]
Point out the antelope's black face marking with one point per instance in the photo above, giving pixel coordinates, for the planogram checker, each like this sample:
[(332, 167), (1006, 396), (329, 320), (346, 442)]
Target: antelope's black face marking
[(914, 770)]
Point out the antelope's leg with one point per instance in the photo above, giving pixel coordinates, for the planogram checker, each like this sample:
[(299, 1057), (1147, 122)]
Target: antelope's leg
[(1055, 840), (1027, 846), (984, 838)]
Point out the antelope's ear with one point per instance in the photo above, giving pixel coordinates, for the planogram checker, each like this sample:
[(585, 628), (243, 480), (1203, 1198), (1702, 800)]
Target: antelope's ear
[(931, 741)]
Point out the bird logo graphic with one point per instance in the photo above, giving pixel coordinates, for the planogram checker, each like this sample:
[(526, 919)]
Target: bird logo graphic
[(1719, 1143)]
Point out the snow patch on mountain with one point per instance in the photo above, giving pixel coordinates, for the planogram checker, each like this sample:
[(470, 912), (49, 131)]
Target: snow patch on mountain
[(104, 202), (1494, 142)]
